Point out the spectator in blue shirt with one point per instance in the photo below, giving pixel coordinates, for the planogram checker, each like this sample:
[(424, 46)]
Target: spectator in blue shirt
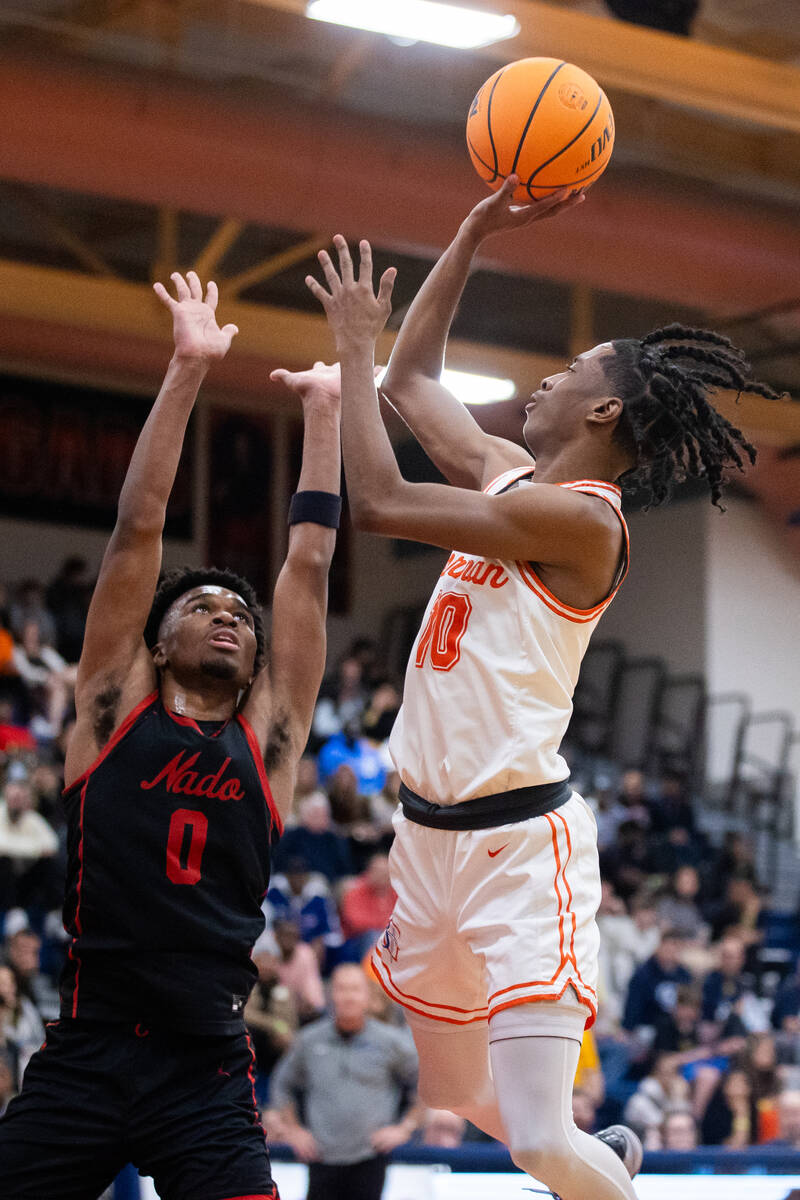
[(314, 840), (726, 985), (305, 898), (349, 747), (653, 989)]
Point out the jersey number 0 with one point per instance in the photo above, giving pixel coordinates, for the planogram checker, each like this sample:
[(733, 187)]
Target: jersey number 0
[(444, 630), (180, 868)]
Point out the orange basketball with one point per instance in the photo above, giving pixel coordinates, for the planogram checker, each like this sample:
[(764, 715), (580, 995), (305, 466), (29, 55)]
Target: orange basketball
[(544, 120)]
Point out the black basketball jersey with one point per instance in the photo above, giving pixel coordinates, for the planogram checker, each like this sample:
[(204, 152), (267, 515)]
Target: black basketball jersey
[(169, 838)]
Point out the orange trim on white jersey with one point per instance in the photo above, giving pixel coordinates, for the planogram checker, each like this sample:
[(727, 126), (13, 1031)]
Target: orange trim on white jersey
[(529, 993), (531, 997), (514, 473), (540, 589), (419, 999), (598, 483), (416, 1004)]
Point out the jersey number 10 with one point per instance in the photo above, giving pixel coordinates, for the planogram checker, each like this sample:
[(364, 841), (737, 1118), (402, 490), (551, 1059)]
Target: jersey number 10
[(444, 630)]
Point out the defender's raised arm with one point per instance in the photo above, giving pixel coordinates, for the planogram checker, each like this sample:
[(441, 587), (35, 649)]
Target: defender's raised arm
[(282, 699), (116, 670)]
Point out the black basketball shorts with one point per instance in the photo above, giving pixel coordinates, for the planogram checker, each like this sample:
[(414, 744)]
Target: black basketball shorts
[(97, 1096)]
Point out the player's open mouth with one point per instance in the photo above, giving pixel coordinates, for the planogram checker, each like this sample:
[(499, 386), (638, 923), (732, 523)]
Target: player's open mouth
[(225, 641)]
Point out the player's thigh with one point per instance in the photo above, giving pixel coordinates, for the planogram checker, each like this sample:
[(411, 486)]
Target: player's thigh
[(61, 1137), (453, 1063), (196, 1128)]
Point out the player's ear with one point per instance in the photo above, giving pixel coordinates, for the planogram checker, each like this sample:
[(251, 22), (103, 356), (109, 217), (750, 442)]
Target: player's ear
[(159, 656), (606, 411)]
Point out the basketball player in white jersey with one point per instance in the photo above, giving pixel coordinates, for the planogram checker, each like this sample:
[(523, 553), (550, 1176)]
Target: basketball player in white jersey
[(492, 948)]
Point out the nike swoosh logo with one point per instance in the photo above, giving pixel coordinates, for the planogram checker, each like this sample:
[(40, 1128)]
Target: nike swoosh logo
[(494, 853)]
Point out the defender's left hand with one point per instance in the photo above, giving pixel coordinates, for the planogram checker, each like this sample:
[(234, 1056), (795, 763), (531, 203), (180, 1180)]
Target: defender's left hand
[(194, 324), (355, 313)]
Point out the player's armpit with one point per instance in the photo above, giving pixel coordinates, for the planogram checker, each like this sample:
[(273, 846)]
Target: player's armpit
[(106, 700), (540, 523), (448, 433)]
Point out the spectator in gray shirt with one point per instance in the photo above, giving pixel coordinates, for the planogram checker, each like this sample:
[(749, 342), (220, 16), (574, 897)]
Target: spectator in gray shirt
[(355, 1079)]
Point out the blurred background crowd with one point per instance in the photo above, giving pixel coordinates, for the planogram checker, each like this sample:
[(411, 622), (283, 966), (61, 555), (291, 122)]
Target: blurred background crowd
[(698, 1036)]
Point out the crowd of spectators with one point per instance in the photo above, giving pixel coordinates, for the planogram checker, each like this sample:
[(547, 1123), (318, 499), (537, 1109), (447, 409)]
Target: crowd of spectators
[(698, 1035)]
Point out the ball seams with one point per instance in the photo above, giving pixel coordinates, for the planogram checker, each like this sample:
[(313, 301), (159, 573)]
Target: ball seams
[(532, 114)]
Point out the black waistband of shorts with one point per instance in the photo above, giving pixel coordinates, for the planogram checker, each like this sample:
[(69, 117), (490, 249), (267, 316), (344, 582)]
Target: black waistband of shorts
[(501, 808)]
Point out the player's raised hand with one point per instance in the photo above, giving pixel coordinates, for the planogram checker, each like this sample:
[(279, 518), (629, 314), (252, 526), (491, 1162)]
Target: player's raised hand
[(322, 382), (499, 214), (194, 324), (355, 312)]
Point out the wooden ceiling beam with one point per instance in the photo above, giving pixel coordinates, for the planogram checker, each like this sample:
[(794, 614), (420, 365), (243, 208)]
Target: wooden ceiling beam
[(302, 167), (217, 246), (643, 61), (272, 266), (70, 310)]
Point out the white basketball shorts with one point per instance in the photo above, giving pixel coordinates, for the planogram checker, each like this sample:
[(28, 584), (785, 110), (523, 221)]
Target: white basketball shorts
[(490, 918)]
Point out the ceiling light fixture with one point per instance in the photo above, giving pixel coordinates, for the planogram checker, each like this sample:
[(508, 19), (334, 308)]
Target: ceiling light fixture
[(472, 389), (478, 389), (418, 21)]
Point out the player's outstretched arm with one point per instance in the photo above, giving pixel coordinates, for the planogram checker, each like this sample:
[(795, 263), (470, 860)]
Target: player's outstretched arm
[(541, 522), (449, 434), (115, 670), (281, 701)]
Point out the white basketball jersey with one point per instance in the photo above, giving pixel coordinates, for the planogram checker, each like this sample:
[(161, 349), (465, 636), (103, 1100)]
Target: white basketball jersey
[(489, 685)]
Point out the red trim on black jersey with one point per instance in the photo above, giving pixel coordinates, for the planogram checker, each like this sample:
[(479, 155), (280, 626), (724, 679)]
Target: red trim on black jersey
[(273, 1195), (251, 1075), (115, 738), (192, 724), (258, 759), (77, 918)]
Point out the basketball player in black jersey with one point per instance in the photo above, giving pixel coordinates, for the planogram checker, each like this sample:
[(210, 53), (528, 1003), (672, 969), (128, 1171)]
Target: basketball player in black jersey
[(180, 722)]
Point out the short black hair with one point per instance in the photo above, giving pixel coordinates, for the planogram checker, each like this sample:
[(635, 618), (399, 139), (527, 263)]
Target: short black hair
[(176, 583), (665, 381)]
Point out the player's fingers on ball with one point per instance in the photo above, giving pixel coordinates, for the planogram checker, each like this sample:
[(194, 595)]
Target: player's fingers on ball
[(195, 286), (365, 261), (555, 199), (212, 295), (181, 286), (345, 261), (564, 205)]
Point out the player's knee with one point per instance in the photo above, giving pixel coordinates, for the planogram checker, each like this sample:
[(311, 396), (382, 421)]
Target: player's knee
[(545, 1158)]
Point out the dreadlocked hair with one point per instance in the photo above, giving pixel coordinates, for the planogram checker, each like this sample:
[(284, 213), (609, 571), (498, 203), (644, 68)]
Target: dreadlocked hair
[(176, 583), (666, 381)]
